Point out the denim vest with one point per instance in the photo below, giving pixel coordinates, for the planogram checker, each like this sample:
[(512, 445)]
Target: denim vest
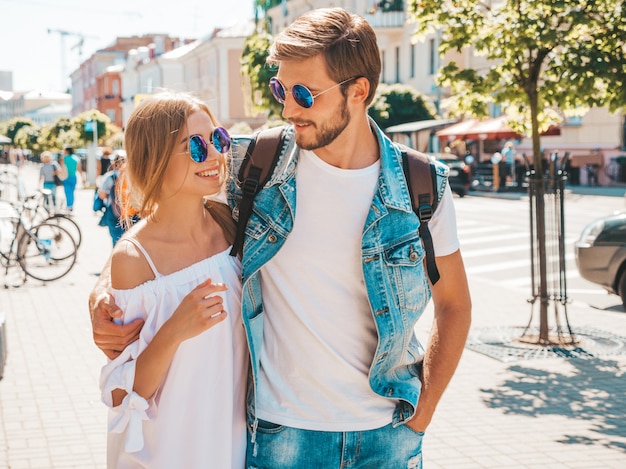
[(392, 258)]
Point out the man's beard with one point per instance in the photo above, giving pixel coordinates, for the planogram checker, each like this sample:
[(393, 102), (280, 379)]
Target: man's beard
[(328, 131)]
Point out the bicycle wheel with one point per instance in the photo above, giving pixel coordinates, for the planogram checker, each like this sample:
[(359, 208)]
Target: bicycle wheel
[(46, 252), (68, 224)]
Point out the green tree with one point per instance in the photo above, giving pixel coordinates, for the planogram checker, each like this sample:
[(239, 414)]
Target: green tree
[(267, 4), (542, 55), (104, 128), (11, 127), (53, 136), (398, 104), (27, 138), (255, 68)]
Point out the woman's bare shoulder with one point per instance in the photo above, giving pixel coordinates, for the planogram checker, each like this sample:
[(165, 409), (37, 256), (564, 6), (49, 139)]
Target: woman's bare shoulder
[(129, 266)]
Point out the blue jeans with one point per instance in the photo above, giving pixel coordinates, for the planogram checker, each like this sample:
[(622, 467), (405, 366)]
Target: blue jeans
[(113, 223), (69, 186), (52, 187), (282, 447)]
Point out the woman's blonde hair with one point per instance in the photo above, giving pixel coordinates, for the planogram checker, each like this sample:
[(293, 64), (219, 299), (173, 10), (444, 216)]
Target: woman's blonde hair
[(151, 135)]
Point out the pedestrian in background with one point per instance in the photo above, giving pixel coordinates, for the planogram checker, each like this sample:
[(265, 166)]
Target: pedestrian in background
[(49, 169), (73, 170), (508, 153), (103, 164), (109, 193)]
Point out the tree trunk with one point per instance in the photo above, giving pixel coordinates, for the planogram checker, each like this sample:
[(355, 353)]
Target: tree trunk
[(540, 213)]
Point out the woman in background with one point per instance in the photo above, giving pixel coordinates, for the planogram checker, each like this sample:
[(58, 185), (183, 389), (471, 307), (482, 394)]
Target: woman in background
[(71, 164), (48, 170)]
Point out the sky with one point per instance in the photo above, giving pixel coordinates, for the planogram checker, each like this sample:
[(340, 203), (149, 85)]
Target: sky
[(35, 56)]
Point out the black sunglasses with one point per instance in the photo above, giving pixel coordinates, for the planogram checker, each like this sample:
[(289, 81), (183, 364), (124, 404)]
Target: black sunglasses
[(301, 94), (199, 149)]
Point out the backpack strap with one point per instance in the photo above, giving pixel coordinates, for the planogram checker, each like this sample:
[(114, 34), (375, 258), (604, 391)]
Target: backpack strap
[(256, 169), (421, 175)]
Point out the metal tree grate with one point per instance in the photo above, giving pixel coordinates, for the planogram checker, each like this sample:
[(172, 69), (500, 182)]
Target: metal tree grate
[(506, 345)]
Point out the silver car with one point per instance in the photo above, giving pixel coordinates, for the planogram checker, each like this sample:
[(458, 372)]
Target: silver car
[(601, 254)]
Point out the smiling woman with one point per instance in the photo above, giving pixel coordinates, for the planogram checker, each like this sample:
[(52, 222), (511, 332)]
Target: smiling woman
[(174, 272)]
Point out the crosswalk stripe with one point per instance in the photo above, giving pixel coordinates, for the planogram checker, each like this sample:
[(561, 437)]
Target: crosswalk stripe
[(525, 281), (485, 229), (491, 239), (491, 251), (499, 266)]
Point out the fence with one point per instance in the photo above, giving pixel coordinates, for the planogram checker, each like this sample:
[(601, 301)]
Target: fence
[(547, 239)]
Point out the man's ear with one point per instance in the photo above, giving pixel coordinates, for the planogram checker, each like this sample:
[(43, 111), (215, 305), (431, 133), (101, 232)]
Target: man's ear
[(359, 90)]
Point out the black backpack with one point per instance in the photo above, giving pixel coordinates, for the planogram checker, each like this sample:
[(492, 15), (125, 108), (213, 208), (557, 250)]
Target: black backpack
[(261, 159)]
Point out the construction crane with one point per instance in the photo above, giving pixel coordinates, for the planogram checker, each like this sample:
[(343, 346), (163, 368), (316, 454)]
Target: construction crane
[(78, 45)]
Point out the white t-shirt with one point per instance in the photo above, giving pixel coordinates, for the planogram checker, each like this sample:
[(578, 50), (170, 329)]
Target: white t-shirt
[(319, 333)]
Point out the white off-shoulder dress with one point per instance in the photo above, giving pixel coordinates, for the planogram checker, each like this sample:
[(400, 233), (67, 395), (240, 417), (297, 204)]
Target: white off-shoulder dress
[(196, 419)]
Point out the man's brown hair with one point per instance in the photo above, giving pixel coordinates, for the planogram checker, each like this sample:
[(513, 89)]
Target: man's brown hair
[(347, 42)]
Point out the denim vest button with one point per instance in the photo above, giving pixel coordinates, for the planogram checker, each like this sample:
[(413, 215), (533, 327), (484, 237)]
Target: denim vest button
[(413, 256), (271, 238)]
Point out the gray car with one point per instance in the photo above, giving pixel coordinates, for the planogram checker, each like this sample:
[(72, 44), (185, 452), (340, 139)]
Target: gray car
[(601, 254)]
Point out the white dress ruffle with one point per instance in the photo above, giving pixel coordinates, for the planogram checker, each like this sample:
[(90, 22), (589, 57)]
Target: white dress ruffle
[(196, 419)]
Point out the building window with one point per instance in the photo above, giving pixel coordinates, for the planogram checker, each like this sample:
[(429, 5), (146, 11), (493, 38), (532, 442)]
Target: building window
[(412, 61), (383, 60), (111, 114), (116, 87), (397, 65), (432, 57), (388, 5)]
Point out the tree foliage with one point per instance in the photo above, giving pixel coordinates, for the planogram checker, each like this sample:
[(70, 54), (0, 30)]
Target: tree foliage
[(26, 137), (398, 104), (11, 127), (254, 66), (54, 136), (103, 125), (542, 55)]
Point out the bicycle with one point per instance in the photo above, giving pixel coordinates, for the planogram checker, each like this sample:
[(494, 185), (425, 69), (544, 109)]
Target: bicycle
[(38, 209), (9, 185), (45, 251)]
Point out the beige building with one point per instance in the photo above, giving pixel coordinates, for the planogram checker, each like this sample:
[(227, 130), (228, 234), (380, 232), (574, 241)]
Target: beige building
[(209, 67), (93, 83), (593, 135), (41, 106), (6, 80)]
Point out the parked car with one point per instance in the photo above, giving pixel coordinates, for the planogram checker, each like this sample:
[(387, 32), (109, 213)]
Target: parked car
[(601, 254), (459, 176)]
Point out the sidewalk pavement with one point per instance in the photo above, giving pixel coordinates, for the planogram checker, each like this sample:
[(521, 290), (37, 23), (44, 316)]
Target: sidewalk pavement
[(606, 191), (532, 413)]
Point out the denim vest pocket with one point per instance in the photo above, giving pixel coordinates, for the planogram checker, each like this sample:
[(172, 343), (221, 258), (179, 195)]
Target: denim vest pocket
[(404, 263), (407, 371), (256, 227), (262, 241)]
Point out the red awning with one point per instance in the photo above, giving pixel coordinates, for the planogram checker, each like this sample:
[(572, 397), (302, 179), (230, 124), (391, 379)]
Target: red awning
[(458, 130), (486, 129)]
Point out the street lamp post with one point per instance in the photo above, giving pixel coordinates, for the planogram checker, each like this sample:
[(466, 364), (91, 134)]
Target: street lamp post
[(92, 126)]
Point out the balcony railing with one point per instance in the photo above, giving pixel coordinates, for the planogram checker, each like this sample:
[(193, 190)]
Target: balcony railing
[(382, 14), (385, 19)]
